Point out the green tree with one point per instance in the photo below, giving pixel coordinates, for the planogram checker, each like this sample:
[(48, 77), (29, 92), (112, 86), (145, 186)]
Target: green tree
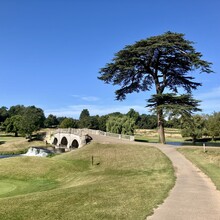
[(60, 119), (13, 124), (69, 123), (51, 121), (147, 121), (32, 120), (94, 122), (3, 113), (173, 122), (115, 114), (133, 114), (84, 119), (193, 127), (161, 62), (120, 125), (213, 125), (102, 122), (16, 110)]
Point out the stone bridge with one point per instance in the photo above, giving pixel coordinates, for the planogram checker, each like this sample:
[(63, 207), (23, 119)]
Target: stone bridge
[(69, 138)]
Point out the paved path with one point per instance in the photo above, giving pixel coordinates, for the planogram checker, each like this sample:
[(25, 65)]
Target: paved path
[(194, 196)]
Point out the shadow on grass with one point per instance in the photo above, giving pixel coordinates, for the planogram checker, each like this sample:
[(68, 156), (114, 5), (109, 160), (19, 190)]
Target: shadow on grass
[(2, 142), (139, 140), (203, 140)]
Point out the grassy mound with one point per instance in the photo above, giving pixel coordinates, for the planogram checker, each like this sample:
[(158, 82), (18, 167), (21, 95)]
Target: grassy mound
[(95, 182)]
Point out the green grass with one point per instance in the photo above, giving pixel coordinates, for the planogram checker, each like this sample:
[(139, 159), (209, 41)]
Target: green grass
[(151, 135), (16, 145), (208, 162), (150, 139), (124, 182)]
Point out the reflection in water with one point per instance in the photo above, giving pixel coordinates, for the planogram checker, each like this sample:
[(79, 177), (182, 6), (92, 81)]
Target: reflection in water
[(9, 155), (178, 144)]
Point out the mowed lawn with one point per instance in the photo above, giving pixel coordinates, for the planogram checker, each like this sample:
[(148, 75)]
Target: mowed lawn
[(16, 145), (208, 162), (124, 182)]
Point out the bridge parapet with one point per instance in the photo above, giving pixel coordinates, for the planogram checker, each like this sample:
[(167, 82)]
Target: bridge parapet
[(103, 133), (74, 131), (85, 131)]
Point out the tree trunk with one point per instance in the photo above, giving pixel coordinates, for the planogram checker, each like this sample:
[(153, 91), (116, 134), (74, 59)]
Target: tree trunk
[(161, 126), (194, 139)]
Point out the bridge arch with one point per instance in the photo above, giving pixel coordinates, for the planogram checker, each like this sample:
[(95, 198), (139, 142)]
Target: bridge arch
[(64, 142), (55, 141), (74, 144), (69, 138)]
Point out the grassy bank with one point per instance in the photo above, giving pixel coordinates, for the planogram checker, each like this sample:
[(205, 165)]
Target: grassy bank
[(16, 145), (124, 182), (208, 162)]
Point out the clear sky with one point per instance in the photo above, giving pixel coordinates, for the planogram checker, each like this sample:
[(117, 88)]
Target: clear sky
[(51, 51)]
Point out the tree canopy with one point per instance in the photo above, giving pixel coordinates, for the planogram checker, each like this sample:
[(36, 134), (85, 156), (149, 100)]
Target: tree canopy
[(120, 125), (3, 113), (193, 127), (84, 119), (32, 120), (162, 62), (69, 123), (213, 125), (51, 121)]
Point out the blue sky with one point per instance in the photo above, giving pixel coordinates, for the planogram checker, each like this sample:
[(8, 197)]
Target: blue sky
[(52, 50)]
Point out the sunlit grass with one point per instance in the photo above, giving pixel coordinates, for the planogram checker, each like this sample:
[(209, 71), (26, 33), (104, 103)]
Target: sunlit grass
[(16, 145), (124, 182), (151, 135), (208, 162)]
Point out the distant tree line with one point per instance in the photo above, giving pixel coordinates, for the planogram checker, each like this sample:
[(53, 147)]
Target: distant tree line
[(115, 122), (24, 121)]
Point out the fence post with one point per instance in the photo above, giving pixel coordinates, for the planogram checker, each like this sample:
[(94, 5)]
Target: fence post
[(204, 148)]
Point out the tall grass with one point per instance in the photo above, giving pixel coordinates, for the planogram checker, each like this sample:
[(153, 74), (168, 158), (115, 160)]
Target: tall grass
[(123, 182), (151, 135)]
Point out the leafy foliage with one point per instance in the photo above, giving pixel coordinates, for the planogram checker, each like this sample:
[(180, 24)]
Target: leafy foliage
[(16, 110), (193, 127), (84, 119), (161, 61), (69, 123), (13, 124), (213, 125), (121, 125), (102, 122), (32, 120), (133, 114), (51, 121), (174, 104), (3, 114), (147, 121)]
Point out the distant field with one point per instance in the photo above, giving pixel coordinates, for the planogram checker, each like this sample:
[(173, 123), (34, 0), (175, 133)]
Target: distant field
[(9, 137), (208, 162), (124, 182), (151, 135), (15, 145)]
